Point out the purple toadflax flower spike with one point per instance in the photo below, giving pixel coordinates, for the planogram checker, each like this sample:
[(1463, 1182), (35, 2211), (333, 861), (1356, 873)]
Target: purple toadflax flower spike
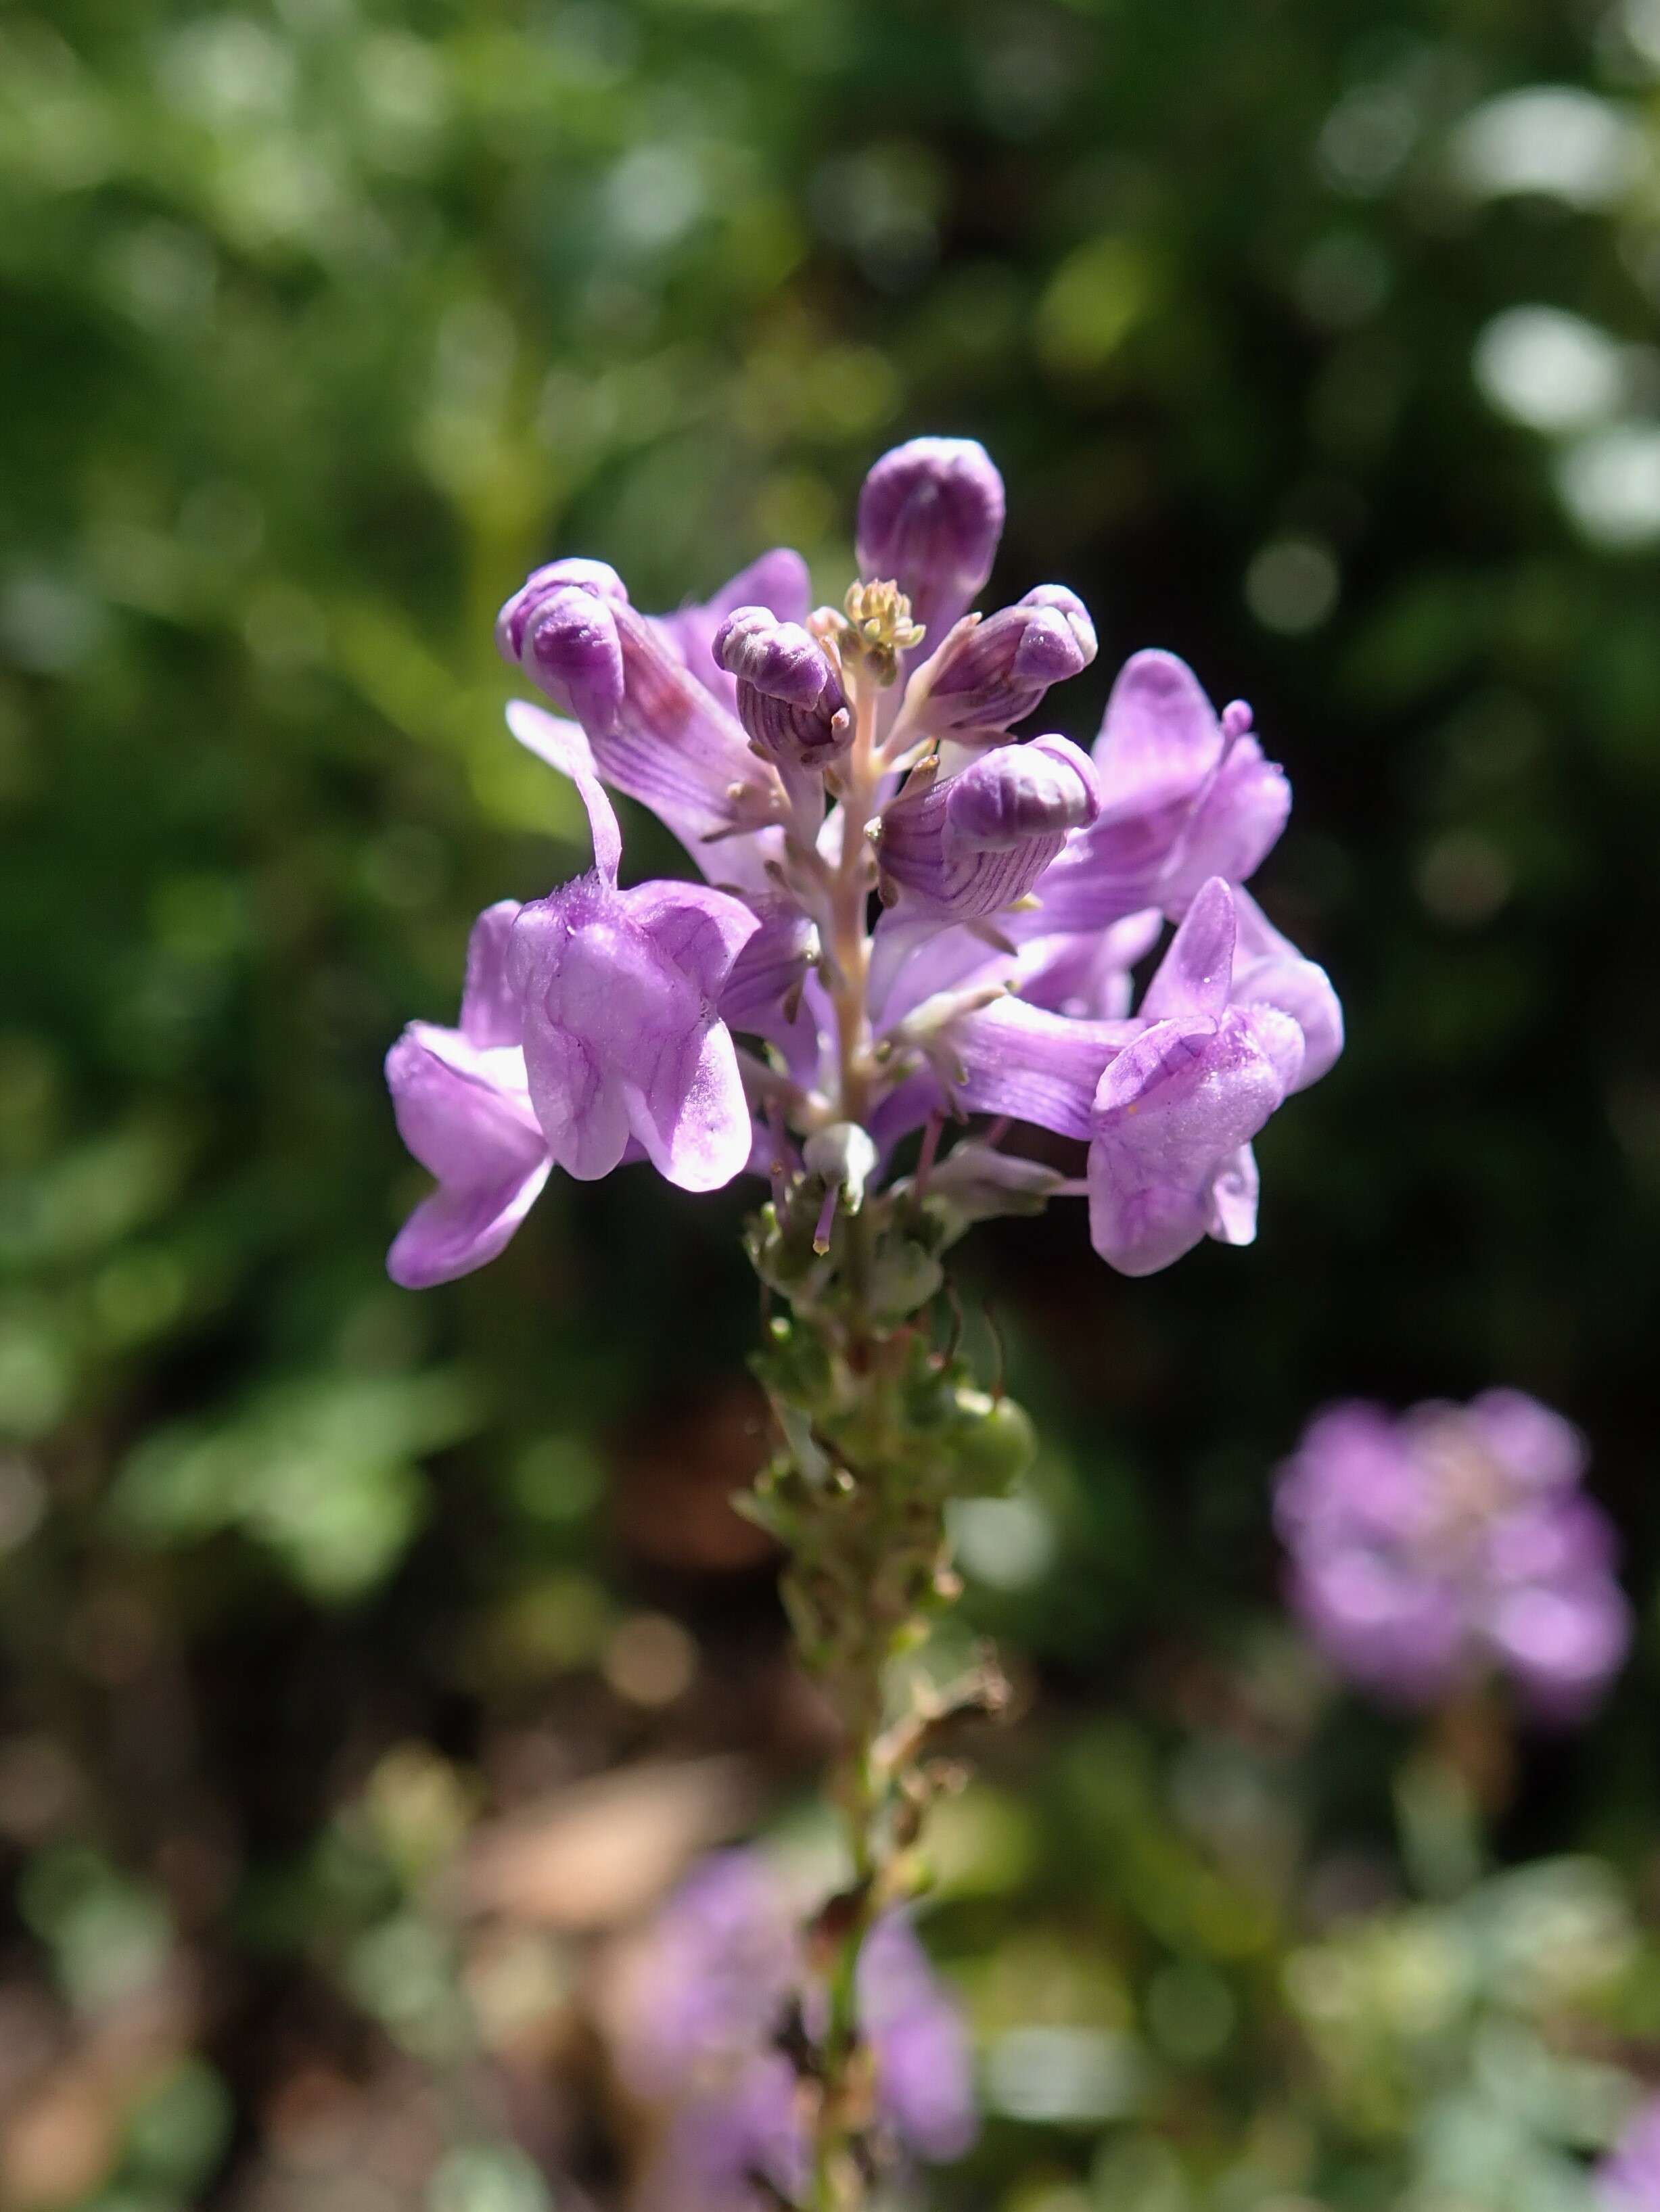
[(907, 919)]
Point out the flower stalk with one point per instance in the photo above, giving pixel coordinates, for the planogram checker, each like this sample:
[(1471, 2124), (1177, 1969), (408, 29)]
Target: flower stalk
[(913, 939)]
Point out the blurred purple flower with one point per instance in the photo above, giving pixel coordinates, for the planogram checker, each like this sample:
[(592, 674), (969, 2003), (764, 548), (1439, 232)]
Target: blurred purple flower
[(720, 1972), (1430, 1548), (1628, 2179)]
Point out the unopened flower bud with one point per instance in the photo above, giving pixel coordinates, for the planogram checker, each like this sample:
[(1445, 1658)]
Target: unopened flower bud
[(977, 844), (569, 642), (790, 699), (1014, 793), (595, 576), (989, 674), (930, 515)]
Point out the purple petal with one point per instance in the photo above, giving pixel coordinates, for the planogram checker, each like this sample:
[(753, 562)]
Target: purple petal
[(1171, 1112), (1087, 974), (777, 580), (1563, 1643), (1160, 740), (620, 1034), (701, 930), (464, 1115), (1195, 975), (1037, 1067), (1269, 971), (1236, 825), (687, 1106), (1396, 1632), (924, 2070), (770, 970), (490, 1013)]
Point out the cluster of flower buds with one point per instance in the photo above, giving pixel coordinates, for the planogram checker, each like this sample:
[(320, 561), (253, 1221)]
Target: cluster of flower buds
[(911, 915), (1450, 1543), (716, 2023)]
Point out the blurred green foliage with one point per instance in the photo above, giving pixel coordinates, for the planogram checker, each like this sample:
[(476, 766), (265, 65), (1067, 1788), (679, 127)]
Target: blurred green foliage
[(1316, 342)]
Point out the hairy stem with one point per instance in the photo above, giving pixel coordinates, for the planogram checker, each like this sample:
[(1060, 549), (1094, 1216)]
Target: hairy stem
[(838, 2182)]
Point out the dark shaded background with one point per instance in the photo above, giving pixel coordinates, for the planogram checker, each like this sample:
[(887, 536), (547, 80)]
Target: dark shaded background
[(324, 1606)]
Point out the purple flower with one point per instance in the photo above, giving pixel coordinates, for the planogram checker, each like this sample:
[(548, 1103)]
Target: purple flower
[(724, 1959), (930, 516), (623, 1037), (1168, 1102), (924, 2070), (808, 762), (719, 1971), (1628, 2179), (1430, 1549), (1186, 795)]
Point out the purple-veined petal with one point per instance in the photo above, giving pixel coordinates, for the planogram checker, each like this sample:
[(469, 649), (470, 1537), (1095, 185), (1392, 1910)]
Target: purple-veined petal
[(701, 929), (987, 674), (777, 580), (1269, 971), (1037, 1067), (571, 646), (490, 1013), (977, 843), (464, 1115), (1044, 787), (1235, 826), (688, 1108), (1160, 740), (770, 970), (1172, 1110), (1195, 975), (789, 695)]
